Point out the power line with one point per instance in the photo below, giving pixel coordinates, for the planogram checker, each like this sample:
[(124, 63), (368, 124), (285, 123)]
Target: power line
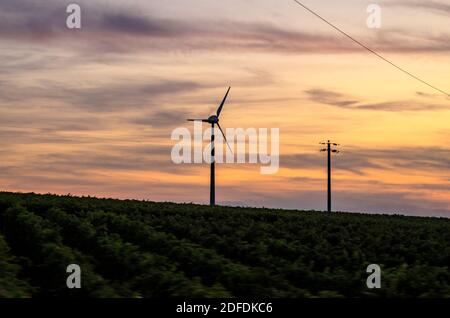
[(371, 51)]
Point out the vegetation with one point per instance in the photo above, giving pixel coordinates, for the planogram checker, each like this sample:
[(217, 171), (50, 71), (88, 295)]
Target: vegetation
[(147, 249)]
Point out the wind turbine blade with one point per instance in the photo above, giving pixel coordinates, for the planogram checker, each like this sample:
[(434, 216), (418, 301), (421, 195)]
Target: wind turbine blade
[(225, 138), (204, 120), (219, 110)]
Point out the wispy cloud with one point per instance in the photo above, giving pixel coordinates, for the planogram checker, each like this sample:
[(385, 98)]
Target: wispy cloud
[(328, 97), (332, 98), (114, 29), (116, 96), (161, 119), (361, 160), (436, 6)]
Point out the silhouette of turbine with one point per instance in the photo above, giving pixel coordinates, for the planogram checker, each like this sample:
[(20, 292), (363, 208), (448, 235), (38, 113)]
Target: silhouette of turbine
[(329, 150), (214, 120)]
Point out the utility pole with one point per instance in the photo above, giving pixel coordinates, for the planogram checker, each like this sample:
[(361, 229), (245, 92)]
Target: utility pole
[(329, 150)]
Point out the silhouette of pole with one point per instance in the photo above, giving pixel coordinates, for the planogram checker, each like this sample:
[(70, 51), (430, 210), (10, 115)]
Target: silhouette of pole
[(329, 150), (329, 178), (212, 184)]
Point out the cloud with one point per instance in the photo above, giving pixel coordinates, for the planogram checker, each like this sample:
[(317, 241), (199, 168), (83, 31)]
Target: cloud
[(400, 106), (404, 202), (113, 159), (382, 199), (415, 159), (136, 24), (108, 97), (436, 6), (360, 160), (327, 97), (161, 119), (144, 170), (377, 202), (356, 164), (435, 96), (115, 29)]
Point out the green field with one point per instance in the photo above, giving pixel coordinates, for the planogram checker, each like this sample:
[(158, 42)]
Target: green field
[(147, 249)]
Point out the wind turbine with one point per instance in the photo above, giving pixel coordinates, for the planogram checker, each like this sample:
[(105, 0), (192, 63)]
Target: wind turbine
[(214, 120)]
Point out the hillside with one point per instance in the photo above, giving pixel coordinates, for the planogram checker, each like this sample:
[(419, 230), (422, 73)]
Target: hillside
[(147, 249)]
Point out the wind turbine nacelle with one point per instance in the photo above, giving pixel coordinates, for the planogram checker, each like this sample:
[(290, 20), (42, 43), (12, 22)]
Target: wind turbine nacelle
[(213, 119)]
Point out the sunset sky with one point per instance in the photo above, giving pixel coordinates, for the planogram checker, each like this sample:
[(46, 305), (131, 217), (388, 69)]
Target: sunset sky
[(91, 111)]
